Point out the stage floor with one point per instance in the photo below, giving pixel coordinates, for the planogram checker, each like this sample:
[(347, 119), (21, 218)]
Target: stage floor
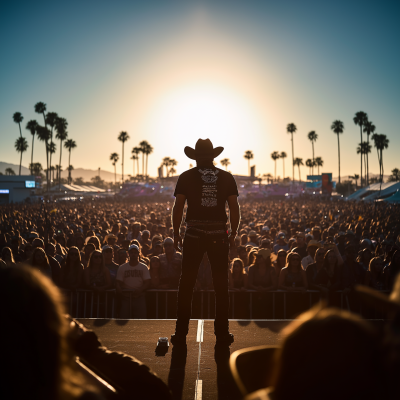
[(201, 374)]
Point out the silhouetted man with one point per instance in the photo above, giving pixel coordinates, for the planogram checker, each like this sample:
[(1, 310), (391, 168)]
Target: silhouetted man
[(206, 190)]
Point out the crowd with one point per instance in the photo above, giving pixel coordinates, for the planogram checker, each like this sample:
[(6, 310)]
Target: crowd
[(293, 245)]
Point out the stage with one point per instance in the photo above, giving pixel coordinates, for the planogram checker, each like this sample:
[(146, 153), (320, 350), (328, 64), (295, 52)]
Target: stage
[(202, 373)]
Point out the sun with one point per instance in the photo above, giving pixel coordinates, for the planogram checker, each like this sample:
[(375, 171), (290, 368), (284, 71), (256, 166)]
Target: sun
[(203, 110)]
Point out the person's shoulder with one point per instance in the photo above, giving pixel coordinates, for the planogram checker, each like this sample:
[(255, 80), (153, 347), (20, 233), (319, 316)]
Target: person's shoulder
[(124, 266), (188, 173), (141, 265), (224, 173), (284, 269)]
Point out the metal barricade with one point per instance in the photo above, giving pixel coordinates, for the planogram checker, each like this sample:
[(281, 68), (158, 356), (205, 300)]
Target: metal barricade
[(249, 304)]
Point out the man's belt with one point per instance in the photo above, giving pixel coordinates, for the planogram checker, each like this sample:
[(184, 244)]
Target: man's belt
[(215, 226)]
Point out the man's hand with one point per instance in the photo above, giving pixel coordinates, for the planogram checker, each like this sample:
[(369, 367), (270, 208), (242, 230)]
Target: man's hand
[(232, 243), (178, 243)]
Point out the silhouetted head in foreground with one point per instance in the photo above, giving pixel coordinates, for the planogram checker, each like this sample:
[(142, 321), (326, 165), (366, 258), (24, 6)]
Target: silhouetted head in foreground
[(38, 363), (328, 354)]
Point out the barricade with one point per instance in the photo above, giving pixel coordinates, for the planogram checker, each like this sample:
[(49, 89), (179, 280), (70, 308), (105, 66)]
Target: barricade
[(250, 304)]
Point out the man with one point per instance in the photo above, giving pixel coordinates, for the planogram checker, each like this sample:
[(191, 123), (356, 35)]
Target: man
[(312, 247), (108, 253), (206, 190), (54, 264), (253, 239), (170, 265), (122, 256), (133, 276), (300, 244)]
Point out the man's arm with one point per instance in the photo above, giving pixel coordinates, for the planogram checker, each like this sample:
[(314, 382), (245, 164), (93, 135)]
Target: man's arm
[(234, 213), (177, 214)]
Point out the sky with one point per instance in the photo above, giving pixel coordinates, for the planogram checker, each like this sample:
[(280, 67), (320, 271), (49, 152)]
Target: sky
[(171, 72)]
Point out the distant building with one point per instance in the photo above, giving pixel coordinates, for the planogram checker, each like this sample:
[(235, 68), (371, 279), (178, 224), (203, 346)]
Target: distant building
[(16, 189)]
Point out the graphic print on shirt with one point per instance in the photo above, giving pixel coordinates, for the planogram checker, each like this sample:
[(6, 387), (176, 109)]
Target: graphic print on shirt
[(209, 192)]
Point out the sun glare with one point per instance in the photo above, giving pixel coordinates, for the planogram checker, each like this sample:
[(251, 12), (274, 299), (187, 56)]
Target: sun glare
[(203, 111)]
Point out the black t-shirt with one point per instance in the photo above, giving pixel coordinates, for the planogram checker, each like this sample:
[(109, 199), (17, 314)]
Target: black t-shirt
[(206, 189)]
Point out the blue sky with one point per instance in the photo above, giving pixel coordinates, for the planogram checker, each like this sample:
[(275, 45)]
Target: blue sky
[(112, 66)]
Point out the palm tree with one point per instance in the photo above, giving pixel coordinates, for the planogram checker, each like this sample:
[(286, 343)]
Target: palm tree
[(40, 108), (319, 162), (369, 129), (309, 164), (275, 156), (268, 177), (283, 155), (114, 157), (69, 145), (225, 162), (360, 119), (21, 145), (148, 150), (123, 137), (248, 155), (135, 152), (298, 161), (396, 174), (62, 134), (58, 170), (143, 148), (312, 137), (134, 157), (355, 177), (43, 134), (363, 149), (70, 168), (165, 163), (17, 117), (9, 171), (291, 128), (52, 149), (36, 168), (51, 119), (381, 143), (31, 126), (338, 127), (172, 163)]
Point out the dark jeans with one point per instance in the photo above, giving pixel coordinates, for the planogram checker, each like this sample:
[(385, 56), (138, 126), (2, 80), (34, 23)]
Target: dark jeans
[(195, 244)]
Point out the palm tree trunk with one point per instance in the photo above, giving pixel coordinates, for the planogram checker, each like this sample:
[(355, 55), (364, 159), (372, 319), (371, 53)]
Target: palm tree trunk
[(59, 169), (69, 169), (51, 141), (20, 133), (367, 161), (283, 159), (147, 164), (115, 172), (299, 174), (361, 156), (20, 162), (292, 159), (275, 170), (47, 154), (137, 164), (312, 142), (338, 146), (249, 165), (122, 162), (33, 137)]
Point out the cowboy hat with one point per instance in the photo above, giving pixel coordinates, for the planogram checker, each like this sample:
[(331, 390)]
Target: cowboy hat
[(203, 149), (381, 301)]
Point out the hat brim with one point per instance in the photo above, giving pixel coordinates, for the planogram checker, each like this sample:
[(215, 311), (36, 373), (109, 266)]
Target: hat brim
[(375, 299), (191, 153)]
